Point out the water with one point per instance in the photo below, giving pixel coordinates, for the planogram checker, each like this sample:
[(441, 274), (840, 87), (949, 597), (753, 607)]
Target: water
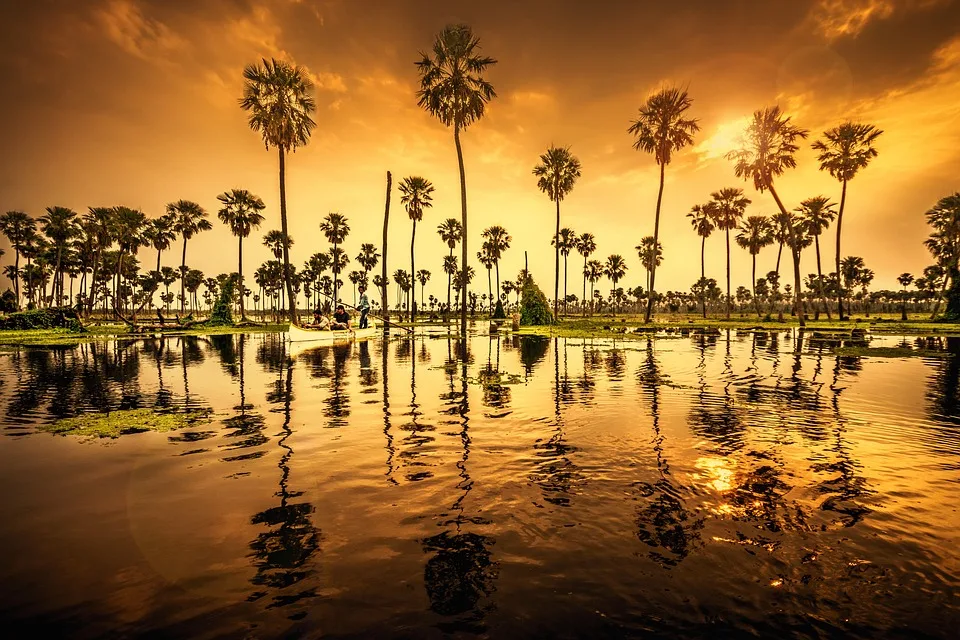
[(740, 484)]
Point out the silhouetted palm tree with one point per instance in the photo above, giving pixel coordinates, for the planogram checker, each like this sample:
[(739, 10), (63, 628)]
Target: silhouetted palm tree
[(769, 144), (846, 149), (756, 233), (423, 277), (499, 241), (818, 213), (944, 245), (649, 259), (557, 173), (726, 210), (662, 130), (586, 245), (450, 232), (189, 219), (452, 89), (593, 271), (277, 95), (159, 234), (565, 242), (126, 228), (904, 279), (336, 229), (485, 257), (18, 227), (241, 212), (59, 224), (615, 269), (416, 194), (703, 224)]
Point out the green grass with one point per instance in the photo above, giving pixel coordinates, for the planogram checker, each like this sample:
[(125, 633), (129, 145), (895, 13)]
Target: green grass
[(117, 423), (889, 352), (65, 337)]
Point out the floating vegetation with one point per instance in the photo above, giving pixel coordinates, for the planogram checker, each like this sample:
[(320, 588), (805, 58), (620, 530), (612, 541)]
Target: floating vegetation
[(890, 352), (117, 423), (488, 377)]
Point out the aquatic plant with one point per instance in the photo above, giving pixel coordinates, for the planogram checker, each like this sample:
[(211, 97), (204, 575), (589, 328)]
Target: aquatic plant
[(117, 423)]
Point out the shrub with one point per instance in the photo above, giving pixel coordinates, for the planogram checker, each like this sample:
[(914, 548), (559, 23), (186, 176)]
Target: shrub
[(221, 314), (498, 312), (54, 318), (534, 308)]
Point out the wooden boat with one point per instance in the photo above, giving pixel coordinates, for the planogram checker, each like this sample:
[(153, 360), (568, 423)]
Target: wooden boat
[(304, 337)]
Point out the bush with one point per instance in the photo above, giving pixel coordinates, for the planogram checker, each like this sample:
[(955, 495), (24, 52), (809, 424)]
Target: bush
[(8, 302), (534, 308), (498, 312), (54, 318), (221, 314)]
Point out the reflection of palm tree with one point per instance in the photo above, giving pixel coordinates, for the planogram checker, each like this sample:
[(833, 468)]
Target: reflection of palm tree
[(418, 437), (384, 344), (282, 553)]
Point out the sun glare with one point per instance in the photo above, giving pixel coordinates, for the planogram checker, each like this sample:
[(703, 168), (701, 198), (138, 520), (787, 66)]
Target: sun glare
[(725, 138)]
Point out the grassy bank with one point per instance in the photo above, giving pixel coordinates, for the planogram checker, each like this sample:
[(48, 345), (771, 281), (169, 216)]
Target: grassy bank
[(65, 337)]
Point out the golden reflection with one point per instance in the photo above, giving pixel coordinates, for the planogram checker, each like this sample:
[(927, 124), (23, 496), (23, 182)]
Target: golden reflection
[(716, 472)]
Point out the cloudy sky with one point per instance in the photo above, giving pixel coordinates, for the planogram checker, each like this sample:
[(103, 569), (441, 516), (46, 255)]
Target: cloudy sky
[(135, 102)]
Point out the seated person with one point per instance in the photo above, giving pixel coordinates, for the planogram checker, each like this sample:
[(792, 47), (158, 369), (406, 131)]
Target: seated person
[(341, 319), (320, 321)]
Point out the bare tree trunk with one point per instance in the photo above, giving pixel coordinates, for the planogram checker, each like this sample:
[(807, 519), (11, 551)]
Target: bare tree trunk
[(843, 202), (656, 237), (292, 313), (463, 247), (383, 263)]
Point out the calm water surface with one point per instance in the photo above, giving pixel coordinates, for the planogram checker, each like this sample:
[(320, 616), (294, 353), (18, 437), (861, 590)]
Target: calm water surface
[(740, 484)]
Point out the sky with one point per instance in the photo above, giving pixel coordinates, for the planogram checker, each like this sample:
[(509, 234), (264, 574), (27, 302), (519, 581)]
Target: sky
[(135, 102)]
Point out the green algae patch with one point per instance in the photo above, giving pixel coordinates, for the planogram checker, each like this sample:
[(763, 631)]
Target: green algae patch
[(890, 352), (118, 423)]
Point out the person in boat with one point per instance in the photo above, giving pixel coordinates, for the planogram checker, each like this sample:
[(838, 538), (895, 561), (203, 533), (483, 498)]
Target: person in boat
[(341, 319), (363, 306), (320, 321)]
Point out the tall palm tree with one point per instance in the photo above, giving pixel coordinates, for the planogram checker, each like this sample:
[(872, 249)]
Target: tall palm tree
[(279, 244), (189, 219), (593, 271), (649, 258), (453, 90), (499, 241), (703, 224), (780, 224), (423, 277), (904, 279), (277, 96), (368, 257), (944, 245), (18, 227), (615, 269), (756, 232), (770, 142), (241, 211), (416, 194), (451, 231), (565, 242), (99, 222), (844, 151), (662, 129), (450, 267), (127, 229), (586, 245), (59, 225), (485, 257), (557, 173), (727, 208), (817, 214), (336, 230)]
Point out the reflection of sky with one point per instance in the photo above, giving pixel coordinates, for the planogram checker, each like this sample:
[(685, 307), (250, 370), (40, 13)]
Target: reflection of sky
[(867, 449)]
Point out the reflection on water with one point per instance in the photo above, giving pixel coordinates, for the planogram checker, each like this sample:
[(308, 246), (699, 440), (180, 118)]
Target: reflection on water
[(736, 482)]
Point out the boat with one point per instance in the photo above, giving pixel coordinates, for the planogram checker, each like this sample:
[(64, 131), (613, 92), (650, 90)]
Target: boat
[(304, 337)]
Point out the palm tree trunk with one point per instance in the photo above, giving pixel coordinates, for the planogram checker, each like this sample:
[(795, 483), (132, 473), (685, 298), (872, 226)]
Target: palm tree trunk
[(183, 274), (753, 283), (556, 264), (292, 314), (843, 201), (497, 265), (490, 292), (779, 251), (943, 288), (384, 308), (823, 299), (798, 301), (16, 274), (584, 301), (57, 292), (158, 260), (463, 240), (565, 257), (703, 275), (413, 273), (728, 273), (656, 237), (243, 315)]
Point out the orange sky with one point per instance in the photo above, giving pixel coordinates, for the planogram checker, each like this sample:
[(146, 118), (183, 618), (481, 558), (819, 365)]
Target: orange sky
[(135, 102)]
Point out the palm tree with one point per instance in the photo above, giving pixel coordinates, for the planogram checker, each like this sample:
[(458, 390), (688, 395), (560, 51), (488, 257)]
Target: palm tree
[(241, 212), (846, 149), (557, 173), (416, 194), (817, 214), (336, 230), (277, 96), (593, 271), (756, 233), (453, 90), (615, 269), (499, 241), (904, 279), (780, 224), (127, 228), (279, 244), (703, 224), (769, 144), (59, 225), (99, 222), (648, 258), (485, 257), (726, 210), (451, 231), (159, 234), (450, 268), (565, 242), (423, 277), (18, 227), (368, 257), (189, 219), (944, 245), (662, 130), (586, 245)]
